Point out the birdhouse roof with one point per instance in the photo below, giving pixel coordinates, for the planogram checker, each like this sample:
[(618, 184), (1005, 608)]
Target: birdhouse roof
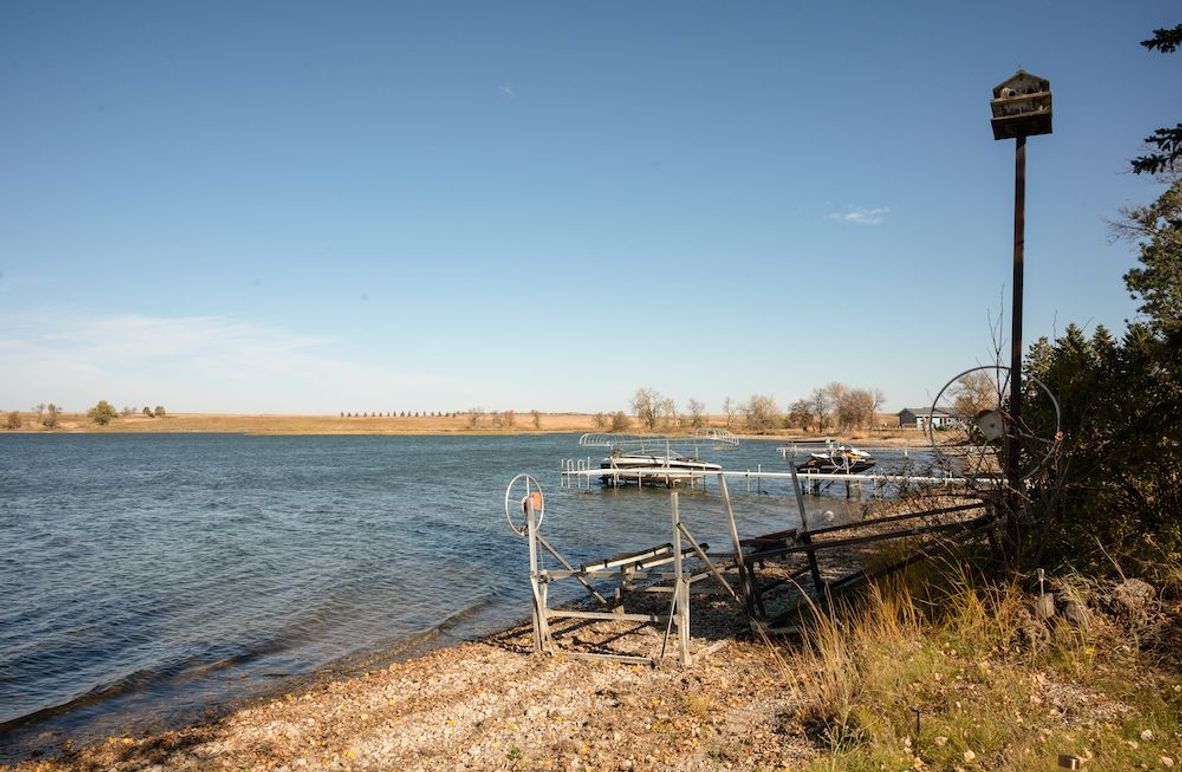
[(1022, 82)]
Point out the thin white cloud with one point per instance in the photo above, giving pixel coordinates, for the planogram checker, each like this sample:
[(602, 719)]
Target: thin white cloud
[(507, 91), (192, 364), (859, 215)]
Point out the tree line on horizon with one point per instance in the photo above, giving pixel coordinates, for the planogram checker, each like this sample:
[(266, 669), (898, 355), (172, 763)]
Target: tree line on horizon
[(399, 414), (833, 406), (476, 417), (49, 414)]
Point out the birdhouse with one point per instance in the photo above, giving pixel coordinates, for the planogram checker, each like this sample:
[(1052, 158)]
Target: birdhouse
[(992, 424), (1021, 106)]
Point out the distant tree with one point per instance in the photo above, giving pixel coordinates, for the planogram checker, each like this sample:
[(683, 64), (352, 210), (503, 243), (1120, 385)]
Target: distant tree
[(13, 420), (800, 416), (496, 419), (856, 408), (728, 410), (620, 422), (536, 415), (1167, 141), (599, 420), (102, 413), (667, 409), (148, 411), (762, 413), (474, 416), (820, 404), (646, 403), (973, 393), (697, 412), (159, 411), (509, 418), (40, 410), (52, 412), (835, 391)]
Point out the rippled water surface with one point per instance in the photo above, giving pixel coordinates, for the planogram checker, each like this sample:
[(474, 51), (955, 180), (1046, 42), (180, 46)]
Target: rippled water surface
[(145, 579)]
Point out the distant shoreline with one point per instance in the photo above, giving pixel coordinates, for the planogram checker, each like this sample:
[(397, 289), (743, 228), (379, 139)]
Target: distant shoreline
[(458, 425)]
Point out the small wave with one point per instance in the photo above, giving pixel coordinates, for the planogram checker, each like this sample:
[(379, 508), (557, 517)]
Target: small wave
[(411, 644), (465, 613), (173, 674)]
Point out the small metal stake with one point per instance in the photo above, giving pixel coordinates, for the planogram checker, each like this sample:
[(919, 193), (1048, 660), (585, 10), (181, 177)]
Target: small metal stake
[(915, 709)]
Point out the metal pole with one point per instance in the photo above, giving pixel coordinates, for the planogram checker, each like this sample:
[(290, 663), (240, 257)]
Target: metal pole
[(680, 596), (1013, 462), (541, 629)]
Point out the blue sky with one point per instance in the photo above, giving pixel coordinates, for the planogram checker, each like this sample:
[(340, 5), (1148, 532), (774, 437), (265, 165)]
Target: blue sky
[(315, 207)]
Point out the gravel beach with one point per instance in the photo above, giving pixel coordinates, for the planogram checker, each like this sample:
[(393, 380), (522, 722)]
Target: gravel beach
[(492, 705)]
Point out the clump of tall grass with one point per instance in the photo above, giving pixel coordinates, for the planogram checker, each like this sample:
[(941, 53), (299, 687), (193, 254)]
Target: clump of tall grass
[(990, 684)]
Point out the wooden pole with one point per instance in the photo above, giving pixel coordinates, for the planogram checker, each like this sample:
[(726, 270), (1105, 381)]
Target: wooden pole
[(1013, 462)]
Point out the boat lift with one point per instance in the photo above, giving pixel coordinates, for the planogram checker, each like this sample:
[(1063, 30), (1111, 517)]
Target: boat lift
[(674, 459), (743, 574)]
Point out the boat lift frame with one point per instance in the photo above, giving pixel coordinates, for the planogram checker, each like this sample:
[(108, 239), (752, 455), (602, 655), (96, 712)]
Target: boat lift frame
[(679, 566), (652, 444)]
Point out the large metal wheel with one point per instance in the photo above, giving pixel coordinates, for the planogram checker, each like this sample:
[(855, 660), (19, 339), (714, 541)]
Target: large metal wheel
[(970, 426), (522, 491)]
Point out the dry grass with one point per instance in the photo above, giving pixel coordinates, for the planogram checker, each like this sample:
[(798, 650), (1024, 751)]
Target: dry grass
[(234, 423), (311, 424), (994, 688)]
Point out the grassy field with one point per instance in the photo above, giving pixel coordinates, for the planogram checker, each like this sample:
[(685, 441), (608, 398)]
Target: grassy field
[(310, 424), (523, 423)]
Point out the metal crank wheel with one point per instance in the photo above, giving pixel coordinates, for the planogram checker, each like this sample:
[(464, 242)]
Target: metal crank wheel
[(975, 427), (523, 491)]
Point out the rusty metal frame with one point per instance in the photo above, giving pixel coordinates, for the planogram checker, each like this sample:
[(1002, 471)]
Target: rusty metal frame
[(664, 569)]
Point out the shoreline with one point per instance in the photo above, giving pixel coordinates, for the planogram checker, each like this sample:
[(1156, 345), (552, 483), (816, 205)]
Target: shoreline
[(283, 425), (489, 702), (744, 703), (484, 704)]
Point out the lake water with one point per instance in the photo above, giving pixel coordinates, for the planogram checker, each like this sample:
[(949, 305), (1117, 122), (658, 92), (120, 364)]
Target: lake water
[(147, 580)]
